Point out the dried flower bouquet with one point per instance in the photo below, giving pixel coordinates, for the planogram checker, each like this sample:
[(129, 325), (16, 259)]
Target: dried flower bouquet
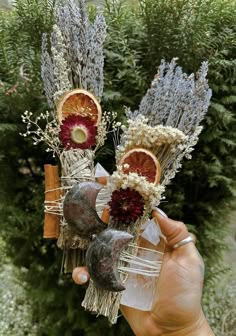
[(108, 218)]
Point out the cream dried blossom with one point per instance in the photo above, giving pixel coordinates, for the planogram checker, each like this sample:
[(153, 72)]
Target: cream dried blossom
[(101, 132), (175, 164), (104, 127), (140, 134), (151, 193)]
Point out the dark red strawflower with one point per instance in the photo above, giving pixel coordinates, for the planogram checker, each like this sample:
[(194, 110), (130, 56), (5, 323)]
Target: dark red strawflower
[(77, 132), (126, 206)]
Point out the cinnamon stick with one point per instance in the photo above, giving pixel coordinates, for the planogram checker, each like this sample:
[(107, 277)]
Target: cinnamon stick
[(105, 215), (102, 180), (52, 195)]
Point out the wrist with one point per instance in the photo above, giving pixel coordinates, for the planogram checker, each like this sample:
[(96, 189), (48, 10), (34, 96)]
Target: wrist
[(199, 328)]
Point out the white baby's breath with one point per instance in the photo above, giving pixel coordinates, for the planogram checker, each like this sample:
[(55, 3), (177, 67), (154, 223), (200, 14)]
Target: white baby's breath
[(140, 134), (47, 132)]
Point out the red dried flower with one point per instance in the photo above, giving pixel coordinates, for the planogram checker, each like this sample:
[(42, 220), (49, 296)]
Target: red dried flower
[(126, 206), (77, 132)]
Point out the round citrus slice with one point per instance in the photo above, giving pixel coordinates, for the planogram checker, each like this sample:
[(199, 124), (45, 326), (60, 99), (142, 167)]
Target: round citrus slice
[(81, 103), (143, 162)]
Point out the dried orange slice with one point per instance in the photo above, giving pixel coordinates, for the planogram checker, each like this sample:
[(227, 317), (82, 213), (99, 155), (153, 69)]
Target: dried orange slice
[(143, 162), (81, 103)]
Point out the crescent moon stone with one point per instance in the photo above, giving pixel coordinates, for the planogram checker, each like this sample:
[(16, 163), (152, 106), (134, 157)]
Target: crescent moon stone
[(102, 258), (79, 209)]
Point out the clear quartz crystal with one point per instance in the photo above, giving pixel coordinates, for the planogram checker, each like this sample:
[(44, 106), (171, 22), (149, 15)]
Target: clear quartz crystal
[(140, 288), (99, 171), (152, 232)]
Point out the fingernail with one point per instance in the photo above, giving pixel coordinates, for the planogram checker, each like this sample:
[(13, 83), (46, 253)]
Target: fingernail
[(161, 212), (82, 277)]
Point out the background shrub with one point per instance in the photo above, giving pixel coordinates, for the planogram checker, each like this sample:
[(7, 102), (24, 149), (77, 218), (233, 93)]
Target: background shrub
[(16, 307), (138, 39)]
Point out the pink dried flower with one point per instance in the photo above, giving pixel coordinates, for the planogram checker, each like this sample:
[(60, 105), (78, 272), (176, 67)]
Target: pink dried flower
[(78, 132)]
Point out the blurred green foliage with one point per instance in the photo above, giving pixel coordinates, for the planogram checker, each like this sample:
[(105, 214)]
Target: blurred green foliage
[(219, 303), (138, 38), (16, 306)]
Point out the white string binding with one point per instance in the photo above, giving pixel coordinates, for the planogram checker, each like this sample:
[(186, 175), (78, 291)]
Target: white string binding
[(145, 248), (141, 266), (103, 198)]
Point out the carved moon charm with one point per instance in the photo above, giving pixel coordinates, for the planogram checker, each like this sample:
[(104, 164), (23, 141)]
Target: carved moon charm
[(102, 258), (79, 209)]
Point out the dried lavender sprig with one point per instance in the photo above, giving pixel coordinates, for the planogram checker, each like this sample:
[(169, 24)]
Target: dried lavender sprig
[(72, 21), (95, 61), (75, 57), (200, 101), (60, 66), (179, 101), (84, 43), (54, 67), (47, 72), (176, 99)]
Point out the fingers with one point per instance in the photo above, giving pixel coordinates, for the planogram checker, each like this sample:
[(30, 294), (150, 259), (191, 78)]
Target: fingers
[(193, 237), (173, 231), (80, 275)]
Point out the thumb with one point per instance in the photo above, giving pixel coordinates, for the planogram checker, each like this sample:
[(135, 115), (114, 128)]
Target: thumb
[(174, 231), (80, 275)]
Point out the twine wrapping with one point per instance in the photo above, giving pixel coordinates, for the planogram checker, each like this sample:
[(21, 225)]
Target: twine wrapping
[(102, 200), (102, 301), (77, 166), (107, 303)]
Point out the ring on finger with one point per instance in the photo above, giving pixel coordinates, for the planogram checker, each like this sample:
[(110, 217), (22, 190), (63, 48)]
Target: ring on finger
[(184, 241)]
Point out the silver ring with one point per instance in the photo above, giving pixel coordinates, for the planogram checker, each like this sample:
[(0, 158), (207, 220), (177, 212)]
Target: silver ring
[(187, 240)]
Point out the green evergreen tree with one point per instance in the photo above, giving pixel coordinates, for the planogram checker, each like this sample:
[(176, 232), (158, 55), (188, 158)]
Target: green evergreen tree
[(137, 40), (199, 30)]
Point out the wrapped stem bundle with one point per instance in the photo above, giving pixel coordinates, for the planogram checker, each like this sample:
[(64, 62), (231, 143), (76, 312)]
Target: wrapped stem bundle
[(77, 166)]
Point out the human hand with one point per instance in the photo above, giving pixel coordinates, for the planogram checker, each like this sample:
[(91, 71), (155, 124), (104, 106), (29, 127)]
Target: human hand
[(177, 303)]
